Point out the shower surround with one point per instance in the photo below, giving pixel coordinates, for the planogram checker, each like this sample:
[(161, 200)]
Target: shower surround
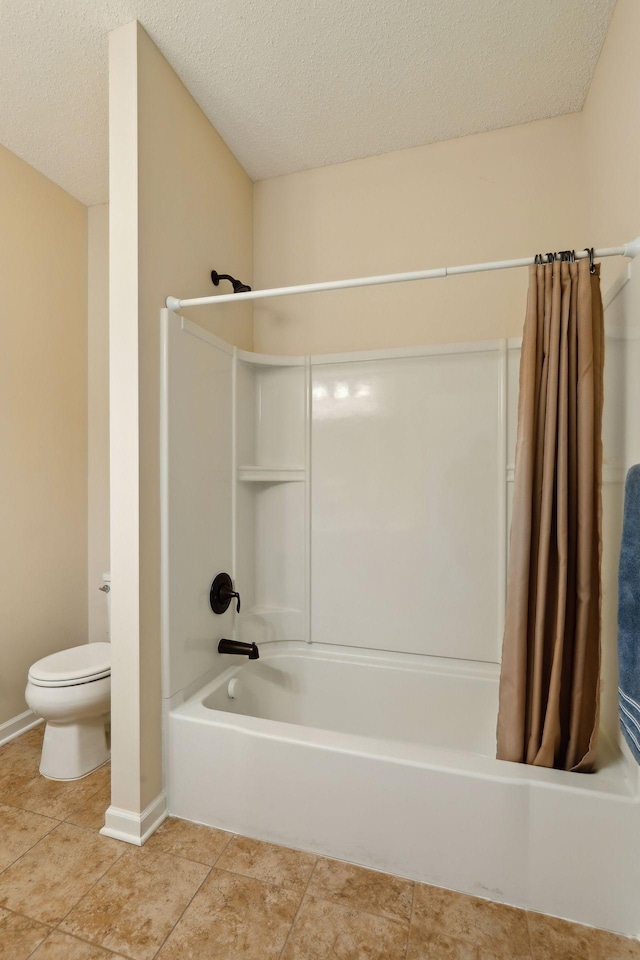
[(361, 504)]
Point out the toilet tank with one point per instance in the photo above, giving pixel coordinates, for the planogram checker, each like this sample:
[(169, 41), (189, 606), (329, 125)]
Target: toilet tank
[(106, 589)]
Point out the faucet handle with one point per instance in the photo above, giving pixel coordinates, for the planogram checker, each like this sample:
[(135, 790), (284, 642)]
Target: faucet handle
[(222, 593), (231, 595)]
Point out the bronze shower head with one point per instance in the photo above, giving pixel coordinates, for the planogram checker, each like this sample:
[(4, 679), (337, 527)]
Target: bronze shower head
[(238, 285)]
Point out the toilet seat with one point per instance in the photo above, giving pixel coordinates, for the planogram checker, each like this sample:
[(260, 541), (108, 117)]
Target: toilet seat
[(77, 665)]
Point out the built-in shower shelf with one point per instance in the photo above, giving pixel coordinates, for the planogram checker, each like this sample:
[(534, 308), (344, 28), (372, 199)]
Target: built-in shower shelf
[(255, 474)]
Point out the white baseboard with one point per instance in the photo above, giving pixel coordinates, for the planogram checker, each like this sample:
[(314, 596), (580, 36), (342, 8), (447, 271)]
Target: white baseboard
[(11, 729), (133, 827)]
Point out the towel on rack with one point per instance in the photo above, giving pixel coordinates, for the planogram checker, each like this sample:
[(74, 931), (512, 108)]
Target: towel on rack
[(629, 615)]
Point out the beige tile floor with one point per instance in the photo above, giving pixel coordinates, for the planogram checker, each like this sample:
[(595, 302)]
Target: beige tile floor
[(193, 893)]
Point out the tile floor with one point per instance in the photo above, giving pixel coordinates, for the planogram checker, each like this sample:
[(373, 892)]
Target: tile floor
[(192, 893)]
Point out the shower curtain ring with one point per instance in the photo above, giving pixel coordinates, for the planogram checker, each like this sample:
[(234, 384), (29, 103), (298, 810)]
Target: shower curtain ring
[(591, 252)]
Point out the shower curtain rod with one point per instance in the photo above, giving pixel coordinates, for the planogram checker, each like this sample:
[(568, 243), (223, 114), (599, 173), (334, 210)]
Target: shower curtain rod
[(631, 249)]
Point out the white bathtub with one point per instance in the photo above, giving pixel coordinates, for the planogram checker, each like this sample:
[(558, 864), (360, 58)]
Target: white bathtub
[(388, 761)]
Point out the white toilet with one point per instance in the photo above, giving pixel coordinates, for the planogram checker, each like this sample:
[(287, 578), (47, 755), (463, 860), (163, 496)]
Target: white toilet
[(71, 690)]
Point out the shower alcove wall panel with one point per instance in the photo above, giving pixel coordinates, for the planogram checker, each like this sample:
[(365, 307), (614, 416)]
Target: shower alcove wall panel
[(234, 430), (407, 489)]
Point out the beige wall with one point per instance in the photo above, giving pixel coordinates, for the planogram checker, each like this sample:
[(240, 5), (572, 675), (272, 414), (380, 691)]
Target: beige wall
[(43, 424), (569, 181), (508, 193), (98, 419), (611, 148), (180, 205)]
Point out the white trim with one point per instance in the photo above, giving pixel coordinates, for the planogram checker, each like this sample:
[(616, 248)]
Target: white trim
[(135, 828), (391, 353), (13, 728), (503, 442), (195, 330), (399, 353), (308, 421), (164, 499), (250, 473), (270, 360), (237, 473)]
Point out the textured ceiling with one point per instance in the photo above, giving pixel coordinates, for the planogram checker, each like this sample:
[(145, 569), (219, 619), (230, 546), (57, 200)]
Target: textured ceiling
[(294, 84)]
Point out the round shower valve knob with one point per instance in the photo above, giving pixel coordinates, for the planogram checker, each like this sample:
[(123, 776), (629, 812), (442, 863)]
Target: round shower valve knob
[(222, 593)]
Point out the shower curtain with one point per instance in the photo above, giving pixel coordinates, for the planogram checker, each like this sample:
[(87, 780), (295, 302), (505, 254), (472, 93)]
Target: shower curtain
[(550, 677)]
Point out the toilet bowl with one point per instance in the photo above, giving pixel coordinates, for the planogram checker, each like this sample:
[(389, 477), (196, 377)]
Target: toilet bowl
[(71, 690)]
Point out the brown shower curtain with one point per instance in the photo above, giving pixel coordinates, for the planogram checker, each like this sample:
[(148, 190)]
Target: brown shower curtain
[(550, 679)]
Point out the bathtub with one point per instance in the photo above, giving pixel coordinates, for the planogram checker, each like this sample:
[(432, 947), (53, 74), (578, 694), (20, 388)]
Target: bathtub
[(388, 761)]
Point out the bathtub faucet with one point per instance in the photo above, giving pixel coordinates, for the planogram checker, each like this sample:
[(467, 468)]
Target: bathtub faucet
[(236, 646)]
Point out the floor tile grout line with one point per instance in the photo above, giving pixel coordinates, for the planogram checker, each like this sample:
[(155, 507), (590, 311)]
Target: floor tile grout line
[(265, 883), (90, 943), (371, 913), (43, 816), (8, 803), (18, 806), (68, 933), (526, 920), (73, 936), (180, 856), (37, 947), (206, 876), (87, 892), (87, 799), (58, 926), (321, 896), (83, 826), (318, 859), (165, 853), (38, 776), (295, 916), (35, 842), (358, 909), (411, 914), (195, 894), (17, 913), (232, 837), (172, 853), (22, 855), (108, 950)]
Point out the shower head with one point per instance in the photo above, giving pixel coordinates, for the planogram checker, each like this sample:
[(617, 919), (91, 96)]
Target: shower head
[(238, 285)]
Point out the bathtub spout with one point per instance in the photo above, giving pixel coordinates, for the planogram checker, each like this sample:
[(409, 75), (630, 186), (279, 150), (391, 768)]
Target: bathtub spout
[(236, 646)]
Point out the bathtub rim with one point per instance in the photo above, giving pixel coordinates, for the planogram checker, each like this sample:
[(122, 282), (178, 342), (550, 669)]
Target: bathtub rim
[(616, 777)]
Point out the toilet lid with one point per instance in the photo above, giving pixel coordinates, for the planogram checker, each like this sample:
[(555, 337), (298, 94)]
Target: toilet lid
[(91, 661)]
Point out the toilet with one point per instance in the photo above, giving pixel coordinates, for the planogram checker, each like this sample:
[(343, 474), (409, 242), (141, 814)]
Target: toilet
[(71, 690)]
